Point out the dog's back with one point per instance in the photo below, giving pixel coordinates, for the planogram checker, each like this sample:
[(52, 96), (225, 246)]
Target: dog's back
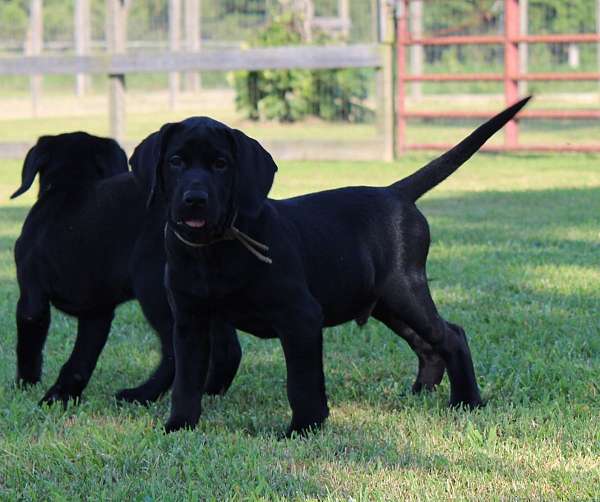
[(363, 235), (66, 246)]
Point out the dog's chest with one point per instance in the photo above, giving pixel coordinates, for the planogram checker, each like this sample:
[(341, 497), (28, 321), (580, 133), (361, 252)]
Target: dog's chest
[(211, 279)]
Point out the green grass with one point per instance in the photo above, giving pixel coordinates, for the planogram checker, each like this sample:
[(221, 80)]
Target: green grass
[(515, 260)]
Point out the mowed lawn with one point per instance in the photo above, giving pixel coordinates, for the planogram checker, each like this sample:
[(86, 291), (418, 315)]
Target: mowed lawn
[(515, 260)]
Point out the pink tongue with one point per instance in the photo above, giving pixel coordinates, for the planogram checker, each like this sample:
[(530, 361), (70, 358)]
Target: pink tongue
[(195, 223)]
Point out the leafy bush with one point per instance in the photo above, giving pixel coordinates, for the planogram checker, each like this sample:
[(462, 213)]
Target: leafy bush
[(13, 21), (290, 95)]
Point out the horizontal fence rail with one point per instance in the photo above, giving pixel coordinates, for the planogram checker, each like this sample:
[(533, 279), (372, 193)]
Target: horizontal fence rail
[(507, 149), (533, 114), (573, 38), (498, 77), (271, 58)]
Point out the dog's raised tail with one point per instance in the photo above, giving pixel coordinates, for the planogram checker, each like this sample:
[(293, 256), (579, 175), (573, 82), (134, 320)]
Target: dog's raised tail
[(414, 186)]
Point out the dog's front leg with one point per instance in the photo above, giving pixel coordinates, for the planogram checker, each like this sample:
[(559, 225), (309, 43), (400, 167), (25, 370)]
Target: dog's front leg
[(302, 342), (191, 339)]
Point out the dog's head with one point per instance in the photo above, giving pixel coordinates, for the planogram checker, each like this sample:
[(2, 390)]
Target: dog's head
[(71, 159), (206, 172)]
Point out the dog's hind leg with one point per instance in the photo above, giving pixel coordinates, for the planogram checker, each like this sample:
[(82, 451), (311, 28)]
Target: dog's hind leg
[(409, 300), (431, 365), (225, 357), (157, 312), (33, 321), (92, 333)]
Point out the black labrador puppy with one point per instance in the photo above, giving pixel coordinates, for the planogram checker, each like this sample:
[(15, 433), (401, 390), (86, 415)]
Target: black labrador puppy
[(88, 244), (286, 268)]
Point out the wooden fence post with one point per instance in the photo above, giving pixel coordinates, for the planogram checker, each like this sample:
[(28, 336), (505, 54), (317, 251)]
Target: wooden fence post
[(375, 31), (511, 67), (116, 37), (598, 33), (416, 51), (82, 34), (402, 36), (192, 35), (35, 42), (523, 46), (344, 15), (309, 16), (385, 79), (174, 46)]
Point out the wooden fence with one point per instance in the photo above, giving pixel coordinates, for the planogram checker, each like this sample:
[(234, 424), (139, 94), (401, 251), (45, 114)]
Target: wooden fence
[(389, 57), (116, 64)]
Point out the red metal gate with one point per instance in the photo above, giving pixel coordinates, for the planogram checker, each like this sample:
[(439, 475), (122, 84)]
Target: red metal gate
[(511, 77)]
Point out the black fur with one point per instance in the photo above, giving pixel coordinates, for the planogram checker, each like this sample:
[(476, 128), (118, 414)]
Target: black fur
[(337, 256), (88, 244)]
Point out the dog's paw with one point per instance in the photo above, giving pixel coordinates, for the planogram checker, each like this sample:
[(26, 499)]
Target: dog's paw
[(417, 387), (175, 424), (469, 404), (136, 396), (29, 373), (430, 374), (295, 432), (57, 395), (307, 427), (425, 385), (215, 388), (26, 382)]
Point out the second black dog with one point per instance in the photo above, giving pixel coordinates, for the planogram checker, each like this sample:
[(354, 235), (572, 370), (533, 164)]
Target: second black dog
[(286, 268), (88, 244)]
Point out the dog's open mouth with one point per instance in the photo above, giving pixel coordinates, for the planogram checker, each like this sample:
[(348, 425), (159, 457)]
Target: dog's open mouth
[(195, 224)]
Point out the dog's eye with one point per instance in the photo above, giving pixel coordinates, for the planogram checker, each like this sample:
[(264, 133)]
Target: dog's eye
[(175, 162), (220, 164)]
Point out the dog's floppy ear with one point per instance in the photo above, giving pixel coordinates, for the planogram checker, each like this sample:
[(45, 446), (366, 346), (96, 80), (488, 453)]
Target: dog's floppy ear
[(255, 172), (33, 162), (147, 159)]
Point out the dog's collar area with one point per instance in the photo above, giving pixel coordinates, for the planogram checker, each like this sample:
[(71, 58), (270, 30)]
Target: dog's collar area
[(231, 233)]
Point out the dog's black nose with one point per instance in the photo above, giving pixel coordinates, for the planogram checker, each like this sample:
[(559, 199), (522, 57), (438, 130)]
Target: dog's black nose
[(195, 198)]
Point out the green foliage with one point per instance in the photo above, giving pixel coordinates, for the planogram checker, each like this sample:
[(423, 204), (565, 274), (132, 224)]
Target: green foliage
[(562, 16), (148, 20), (339, 95), (290, 95), (58, 20), (13, 20), (248, 7), (458, 17)]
